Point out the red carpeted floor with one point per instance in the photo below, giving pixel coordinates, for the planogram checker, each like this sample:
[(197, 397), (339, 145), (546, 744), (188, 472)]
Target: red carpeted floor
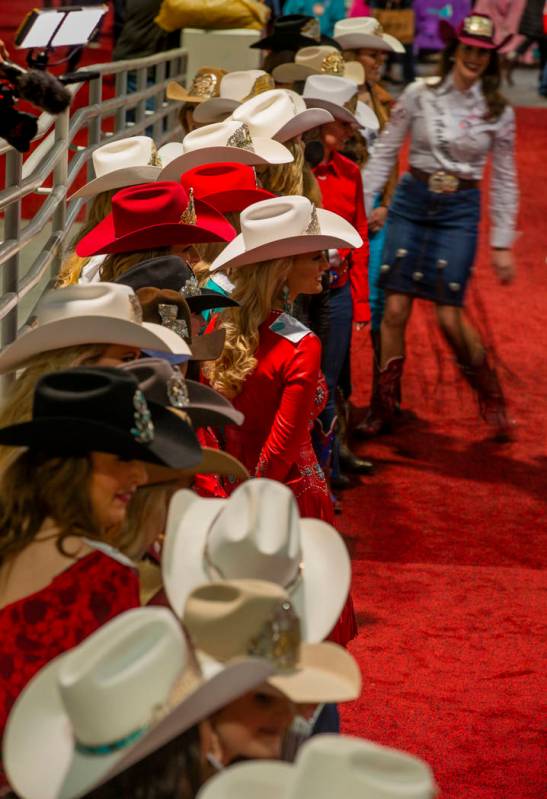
[(448, 538)]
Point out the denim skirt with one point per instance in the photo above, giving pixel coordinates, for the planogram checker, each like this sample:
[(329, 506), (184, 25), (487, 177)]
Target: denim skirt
[(431, 241)]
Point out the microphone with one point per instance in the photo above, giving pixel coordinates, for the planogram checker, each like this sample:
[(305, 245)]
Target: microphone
[(37, 87)]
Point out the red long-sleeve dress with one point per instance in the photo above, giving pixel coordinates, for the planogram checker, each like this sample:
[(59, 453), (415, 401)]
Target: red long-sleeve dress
[(280, 400)]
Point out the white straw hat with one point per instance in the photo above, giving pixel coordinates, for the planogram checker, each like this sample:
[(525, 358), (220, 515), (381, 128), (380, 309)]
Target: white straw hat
[(90, 313), (356, 32), (257, 534), (232, 619), (316, 61), (222, 141), (285, 226), (280, 114), (120, 695), (328, 766), (235, 88), (126, 162), (340, 97)]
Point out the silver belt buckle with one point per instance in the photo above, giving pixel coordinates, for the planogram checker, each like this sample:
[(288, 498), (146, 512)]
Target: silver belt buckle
[(442, 183)]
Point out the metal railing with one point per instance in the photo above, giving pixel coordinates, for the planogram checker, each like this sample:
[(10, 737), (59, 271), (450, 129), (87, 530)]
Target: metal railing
[(59, 156)]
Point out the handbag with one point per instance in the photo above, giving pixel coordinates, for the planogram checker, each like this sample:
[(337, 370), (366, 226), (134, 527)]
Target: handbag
[(398, 22)]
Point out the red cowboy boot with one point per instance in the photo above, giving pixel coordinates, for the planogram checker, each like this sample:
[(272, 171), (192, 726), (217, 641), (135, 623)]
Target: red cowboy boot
[(385, 399), (492, 407)]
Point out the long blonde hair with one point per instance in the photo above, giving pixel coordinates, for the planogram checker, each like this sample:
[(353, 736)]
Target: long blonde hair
[(72, 266), (17, 401), (117, 264), (258, 288), (286, 179)]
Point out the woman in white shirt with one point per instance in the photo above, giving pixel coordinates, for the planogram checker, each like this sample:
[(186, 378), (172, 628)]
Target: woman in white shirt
[(455, 122)]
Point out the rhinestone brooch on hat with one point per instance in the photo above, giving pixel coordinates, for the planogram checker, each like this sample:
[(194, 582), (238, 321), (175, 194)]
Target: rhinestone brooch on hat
[(191, 288), (204, 85), (313, 228), (188, 216), (333, 64), (312, 29), (262, 84), (168, 316), (241, 138), (478, 26), (155, 160), (143, 432), (177, 391), (279, 638), (136, 308)]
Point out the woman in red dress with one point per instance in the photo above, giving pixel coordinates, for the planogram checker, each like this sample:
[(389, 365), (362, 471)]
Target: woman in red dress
[(270, 367), (61, 501)]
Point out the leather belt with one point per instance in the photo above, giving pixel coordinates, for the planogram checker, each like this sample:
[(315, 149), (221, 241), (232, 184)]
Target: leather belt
[(441, 182)]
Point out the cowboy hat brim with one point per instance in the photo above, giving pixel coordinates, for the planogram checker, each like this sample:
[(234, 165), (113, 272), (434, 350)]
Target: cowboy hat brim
[(210, 225), (117, 179), (217, 109), (76, 331), (39, 752), (210, 300), (335, 233), (364, 116), (213, 461), (177, 92), (324, 555), (356, 41), (292, 72), (264, 152), (208, 346)]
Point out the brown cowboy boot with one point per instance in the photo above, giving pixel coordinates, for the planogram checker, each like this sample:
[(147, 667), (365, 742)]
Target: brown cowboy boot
[(483, 379), (384, 402), (349, 461)]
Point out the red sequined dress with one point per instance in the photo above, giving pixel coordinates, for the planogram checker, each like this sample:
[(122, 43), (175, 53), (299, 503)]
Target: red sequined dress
[(37, 628), (281, 399)]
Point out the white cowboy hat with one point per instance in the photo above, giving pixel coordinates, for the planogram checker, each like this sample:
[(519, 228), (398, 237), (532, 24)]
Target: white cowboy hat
[(221, 141), (279, 114), (356, 32), (120, 695), (328, 766), (285, 226), (319, 60), (126, 162), (90, 313), (339, 96), (231, 619), (257, 534), (235, 88)]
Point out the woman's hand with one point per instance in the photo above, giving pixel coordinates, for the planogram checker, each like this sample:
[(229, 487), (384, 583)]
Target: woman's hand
[(504, 265), (377, 219)]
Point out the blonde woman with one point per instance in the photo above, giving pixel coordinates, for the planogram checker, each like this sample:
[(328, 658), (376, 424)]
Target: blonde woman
[(270, 367)]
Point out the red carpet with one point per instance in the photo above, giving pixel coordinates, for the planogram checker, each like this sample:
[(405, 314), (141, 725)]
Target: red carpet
[(448, 538)]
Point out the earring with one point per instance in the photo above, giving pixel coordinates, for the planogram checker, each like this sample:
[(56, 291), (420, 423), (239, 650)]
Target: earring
[(287, 304)]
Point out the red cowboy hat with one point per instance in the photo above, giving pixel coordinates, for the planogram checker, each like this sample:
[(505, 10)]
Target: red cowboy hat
[(155, 215), (225, 186), (476, 30)]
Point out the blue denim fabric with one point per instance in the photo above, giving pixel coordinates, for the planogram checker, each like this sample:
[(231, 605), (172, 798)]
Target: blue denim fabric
[(376, 295), (338, 344), (439, 233)]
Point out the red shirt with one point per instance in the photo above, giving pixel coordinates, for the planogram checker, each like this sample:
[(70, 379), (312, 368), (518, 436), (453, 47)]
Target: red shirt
[(341, 187)]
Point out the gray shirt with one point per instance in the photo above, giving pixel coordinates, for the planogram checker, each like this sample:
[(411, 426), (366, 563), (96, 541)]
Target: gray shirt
[(449, 132)]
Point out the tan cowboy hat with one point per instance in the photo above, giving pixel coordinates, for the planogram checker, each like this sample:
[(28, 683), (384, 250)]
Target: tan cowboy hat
[(125, 162), (356, 32), (204, 86), (92, 313), (279, 114), (231, 619), (257, 534), (222, 141), (327, 766), (235, 88), (282, 227), (128, 689), (339, 96), (316, 61)]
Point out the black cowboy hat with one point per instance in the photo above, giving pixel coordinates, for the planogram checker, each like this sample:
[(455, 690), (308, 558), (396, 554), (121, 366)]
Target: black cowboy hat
[(293, 31), (91, 409), (171, 272)]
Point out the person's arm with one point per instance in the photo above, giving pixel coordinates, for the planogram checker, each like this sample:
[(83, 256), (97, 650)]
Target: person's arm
[(387, 146), (359, 259), (290, 425), (504, 197)]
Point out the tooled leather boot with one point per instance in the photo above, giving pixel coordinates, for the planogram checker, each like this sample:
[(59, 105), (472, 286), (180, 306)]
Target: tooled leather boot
[(385, 400), (483, 379)]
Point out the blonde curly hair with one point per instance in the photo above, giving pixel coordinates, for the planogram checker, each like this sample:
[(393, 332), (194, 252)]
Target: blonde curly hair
[(258, 288), (286, 179)]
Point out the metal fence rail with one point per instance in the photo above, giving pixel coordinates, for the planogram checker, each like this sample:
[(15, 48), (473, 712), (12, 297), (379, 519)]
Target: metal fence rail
[(59, 157)]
